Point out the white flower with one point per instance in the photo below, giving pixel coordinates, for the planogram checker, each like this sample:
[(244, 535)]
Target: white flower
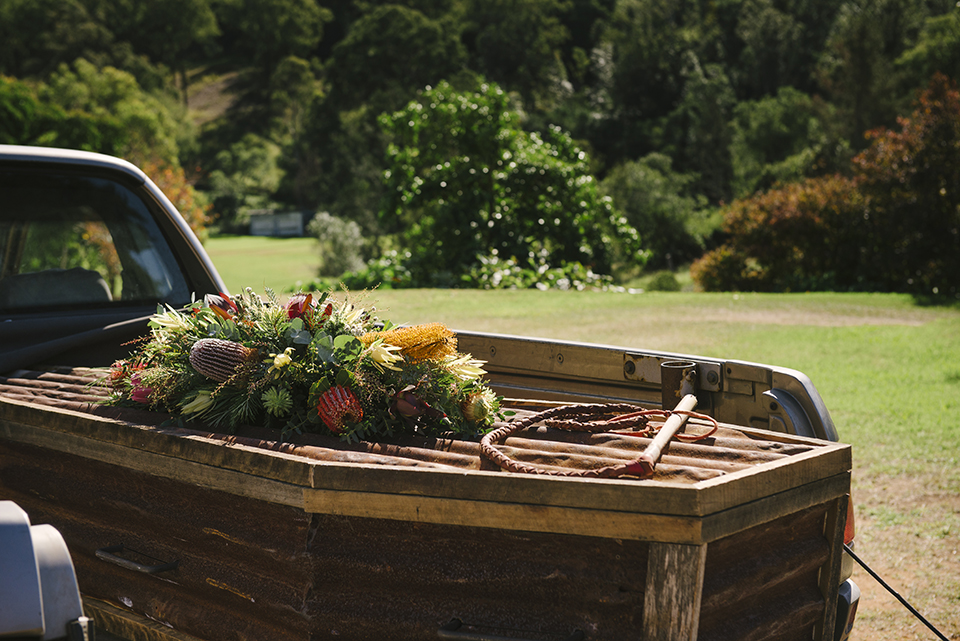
[(170, 320), (351, 314), (384, 355), (464, 367), (199, 403)]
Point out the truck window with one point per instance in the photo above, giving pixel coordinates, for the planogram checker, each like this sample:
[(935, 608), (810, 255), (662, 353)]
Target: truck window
[(69, 241)]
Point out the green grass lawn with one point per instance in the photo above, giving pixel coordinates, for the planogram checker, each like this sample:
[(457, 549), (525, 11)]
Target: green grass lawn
[(259, 262), (887, 368)]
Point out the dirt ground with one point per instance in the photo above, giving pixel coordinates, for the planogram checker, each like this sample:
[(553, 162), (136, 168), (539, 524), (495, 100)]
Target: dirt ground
[(918, 560)]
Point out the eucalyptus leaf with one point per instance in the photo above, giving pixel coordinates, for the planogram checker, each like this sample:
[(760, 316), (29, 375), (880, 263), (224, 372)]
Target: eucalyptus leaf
[(323, 346), (297, 334), (344, 378), (347, 347)]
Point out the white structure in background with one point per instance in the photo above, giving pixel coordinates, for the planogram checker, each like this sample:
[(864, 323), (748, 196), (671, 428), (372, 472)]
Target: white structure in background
[(269, 222)]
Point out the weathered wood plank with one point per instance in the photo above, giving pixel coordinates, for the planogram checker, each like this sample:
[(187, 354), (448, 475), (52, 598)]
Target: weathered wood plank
[(505, 516), (128, 625), (833, 530), (671, 605), (202, 475)]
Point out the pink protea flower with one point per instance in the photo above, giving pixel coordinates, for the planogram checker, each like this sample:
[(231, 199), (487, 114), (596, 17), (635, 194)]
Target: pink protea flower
[(298, 305), (337, 407), (140, 393)]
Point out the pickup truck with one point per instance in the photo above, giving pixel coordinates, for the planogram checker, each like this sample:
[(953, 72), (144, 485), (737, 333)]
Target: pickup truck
[(184, 532)]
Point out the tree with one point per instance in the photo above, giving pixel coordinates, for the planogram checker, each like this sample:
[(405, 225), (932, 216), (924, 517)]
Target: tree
[(698, 130), (245, 178), (894, 225), (659, 203), (798, 237), (26, 118), (911, 179), (37, 36), (145, 126), (465, 181), (857, 66), (174, 33), (270, 30), (518, 44), (191, 204), (770, 57), (782, 138), (388, 54), (936, 50)]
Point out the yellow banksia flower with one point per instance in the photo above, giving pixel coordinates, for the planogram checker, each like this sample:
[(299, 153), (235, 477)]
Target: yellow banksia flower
[(432, 341)]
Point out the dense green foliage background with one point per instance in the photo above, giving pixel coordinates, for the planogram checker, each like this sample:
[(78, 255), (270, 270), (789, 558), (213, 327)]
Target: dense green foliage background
[(669, 115)]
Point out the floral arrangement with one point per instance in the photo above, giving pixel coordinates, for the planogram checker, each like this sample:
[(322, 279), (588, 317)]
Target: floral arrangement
[(313, 364)]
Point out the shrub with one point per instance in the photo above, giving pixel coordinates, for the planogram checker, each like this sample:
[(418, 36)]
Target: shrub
[(341, 243), (893, 226), (664, 281), (464, 178), (496, 273)]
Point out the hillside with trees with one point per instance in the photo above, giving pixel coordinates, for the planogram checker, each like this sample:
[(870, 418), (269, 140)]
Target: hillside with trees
[(782, 144)]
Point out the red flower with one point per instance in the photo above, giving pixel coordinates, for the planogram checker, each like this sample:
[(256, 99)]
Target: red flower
[(338, 406), (122, 370), (410, 407), (298, 305), (221, 305)]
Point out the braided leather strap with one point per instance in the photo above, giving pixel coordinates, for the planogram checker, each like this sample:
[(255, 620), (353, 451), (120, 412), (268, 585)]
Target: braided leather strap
[(559, 417)]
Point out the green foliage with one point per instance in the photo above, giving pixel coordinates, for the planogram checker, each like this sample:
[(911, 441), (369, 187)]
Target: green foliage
[(389, 53), (495, 273), (341, 244), (739, 95), (96, 109), (271, 30), (780, 139), (516, 43), (661, 204), (247, 174), (893, 226), (27, 119), (857, 67), (703, 115), (664, 281), (464, 180), (37, 36), (146, 125), (937, 49)]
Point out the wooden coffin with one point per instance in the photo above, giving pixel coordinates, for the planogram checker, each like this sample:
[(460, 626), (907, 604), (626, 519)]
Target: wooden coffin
[(189, 534)]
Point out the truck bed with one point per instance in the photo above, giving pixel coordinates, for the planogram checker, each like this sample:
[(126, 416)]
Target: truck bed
[(734, 537)]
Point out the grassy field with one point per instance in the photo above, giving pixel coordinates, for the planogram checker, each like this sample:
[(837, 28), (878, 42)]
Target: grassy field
[(258, 262), (888, 369)]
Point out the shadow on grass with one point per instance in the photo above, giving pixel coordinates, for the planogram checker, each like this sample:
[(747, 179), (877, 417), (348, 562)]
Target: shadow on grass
[(944, 301)]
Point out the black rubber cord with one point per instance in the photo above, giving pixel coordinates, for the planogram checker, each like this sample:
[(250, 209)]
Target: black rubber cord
[(894, 593)]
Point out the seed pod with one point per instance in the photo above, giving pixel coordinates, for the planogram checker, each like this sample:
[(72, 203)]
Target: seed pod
[(218, 359)]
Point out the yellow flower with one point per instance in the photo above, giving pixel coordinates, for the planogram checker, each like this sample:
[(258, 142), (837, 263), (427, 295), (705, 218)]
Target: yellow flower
[(280, 360), (384, 355)]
